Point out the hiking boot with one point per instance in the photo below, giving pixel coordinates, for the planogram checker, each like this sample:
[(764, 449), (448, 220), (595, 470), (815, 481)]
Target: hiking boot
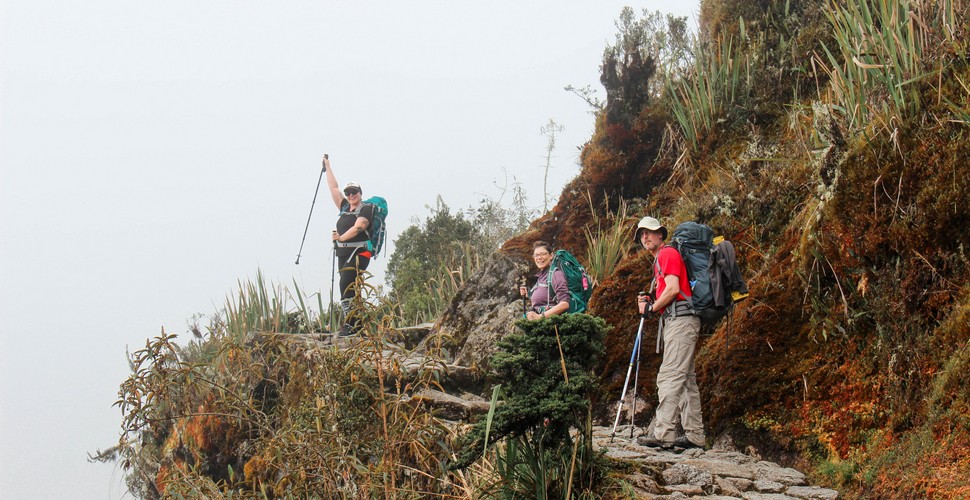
[(683, 442), (652, 442)]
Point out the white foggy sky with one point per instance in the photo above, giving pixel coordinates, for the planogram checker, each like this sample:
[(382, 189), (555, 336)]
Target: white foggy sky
[(152, 154)]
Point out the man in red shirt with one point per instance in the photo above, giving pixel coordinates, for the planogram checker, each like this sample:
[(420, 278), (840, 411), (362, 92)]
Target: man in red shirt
[(679, 329)]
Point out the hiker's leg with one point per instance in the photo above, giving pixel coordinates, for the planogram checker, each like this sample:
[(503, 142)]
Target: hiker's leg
[(678, 361), (691, 417), (349, 273)]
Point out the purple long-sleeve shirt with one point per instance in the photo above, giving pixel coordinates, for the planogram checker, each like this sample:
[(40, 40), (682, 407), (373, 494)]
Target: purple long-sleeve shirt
[(540, 293)]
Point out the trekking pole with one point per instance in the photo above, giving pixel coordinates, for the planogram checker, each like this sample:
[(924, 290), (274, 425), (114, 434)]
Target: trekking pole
[(525, 299), (619, 406), (317, 190), (333, 272), (636, 378)]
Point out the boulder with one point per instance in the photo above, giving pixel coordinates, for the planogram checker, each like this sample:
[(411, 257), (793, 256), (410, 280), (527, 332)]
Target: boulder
[(483, 311), (727, 487), (680, 474), (411, 336), (450, 407), (644, 484), (768, 471), (812, 493), (764, 486), (723, 468)]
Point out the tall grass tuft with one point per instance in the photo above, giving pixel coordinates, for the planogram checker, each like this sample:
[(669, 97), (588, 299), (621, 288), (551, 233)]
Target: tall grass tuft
[(251, 410), (608, 243), (879, 56), (721, 75)]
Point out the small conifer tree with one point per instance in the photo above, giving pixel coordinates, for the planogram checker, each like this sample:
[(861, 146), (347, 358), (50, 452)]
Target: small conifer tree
[(546, 371)]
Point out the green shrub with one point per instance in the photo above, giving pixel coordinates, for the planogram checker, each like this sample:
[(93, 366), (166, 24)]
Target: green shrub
[(545, 371)]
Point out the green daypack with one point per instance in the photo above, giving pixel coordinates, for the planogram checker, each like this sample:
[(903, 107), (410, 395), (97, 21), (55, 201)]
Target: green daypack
[(577, 280), (377, 230)]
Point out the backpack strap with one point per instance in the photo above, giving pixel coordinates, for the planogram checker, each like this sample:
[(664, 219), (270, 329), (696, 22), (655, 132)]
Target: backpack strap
[(688, 298), (671, 309), (345, 210), (549, 289)]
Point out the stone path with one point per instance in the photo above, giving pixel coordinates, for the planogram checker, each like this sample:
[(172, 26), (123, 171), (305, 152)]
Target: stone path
[(657, 474), (696, 473)]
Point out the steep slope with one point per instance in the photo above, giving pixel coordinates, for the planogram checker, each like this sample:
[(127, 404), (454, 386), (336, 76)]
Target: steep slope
[(851, 220), (849, 356)]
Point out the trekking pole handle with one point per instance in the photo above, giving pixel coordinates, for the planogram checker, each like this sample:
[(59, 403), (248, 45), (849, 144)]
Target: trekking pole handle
[(644, 298), (325, 158)]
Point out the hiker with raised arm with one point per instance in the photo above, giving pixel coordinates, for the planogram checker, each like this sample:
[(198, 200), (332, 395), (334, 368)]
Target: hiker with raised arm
[(350, 242), (679, 329), (550, 295)]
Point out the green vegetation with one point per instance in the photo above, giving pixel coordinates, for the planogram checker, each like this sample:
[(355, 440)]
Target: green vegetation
[(424, 257), (433, 259), (700, 99), (253, 411), (545, 371), (607, 246), (881, 56), (828, 141)]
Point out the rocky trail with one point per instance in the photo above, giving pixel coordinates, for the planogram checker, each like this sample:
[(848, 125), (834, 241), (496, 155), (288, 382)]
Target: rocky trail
[(721, 472)]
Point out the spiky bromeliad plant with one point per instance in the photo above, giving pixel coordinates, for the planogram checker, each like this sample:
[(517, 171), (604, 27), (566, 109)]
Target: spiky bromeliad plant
[(545, 371)]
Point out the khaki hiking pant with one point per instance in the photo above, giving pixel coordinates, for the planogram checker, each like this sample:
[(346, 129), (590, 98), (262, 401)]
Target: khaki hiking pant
[(677, 383)]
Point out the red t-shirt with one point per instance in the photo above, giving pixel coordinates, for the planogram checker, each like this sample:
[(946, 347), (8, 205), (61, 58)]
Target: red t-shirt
[(669, 262)]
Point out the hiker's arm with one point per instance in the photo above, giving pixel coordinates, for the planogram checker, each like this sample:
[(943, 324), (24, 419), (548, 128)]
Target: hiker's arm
[(557, 309), (561, 287), (359, 227), (671, 290), (548, 313), (335, 193)]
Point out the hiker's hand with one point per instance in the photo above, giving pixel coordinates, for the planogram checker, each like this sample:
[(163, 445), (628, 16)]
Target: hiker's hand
[(522, 290), (644, 305), (335, 236), (532, 315), (326, 162)]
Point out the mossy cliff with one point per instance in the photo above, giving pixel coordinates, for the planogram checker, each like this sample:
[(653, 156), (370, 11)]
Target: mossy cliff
[(852, 353)]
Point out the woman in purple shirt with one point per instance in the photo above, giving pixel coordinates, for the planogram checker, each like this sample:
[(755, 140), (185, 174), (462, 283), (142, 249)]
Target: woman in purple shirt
[(544, 302)]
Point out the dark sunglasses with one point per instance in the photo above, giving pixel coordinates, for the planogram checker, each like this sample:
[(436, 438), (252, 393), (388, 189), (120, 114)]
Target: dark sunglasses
[(349, 192)]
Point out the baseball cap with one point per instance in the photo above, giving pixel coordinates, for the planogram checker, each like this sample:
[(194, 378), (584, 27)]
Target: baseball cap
[(653, 225)]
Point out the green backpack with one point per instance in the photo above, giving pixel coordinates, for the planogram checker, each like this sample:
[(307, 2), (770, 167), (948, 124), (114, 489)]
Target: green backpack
[(377, 232), (577, 280)]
